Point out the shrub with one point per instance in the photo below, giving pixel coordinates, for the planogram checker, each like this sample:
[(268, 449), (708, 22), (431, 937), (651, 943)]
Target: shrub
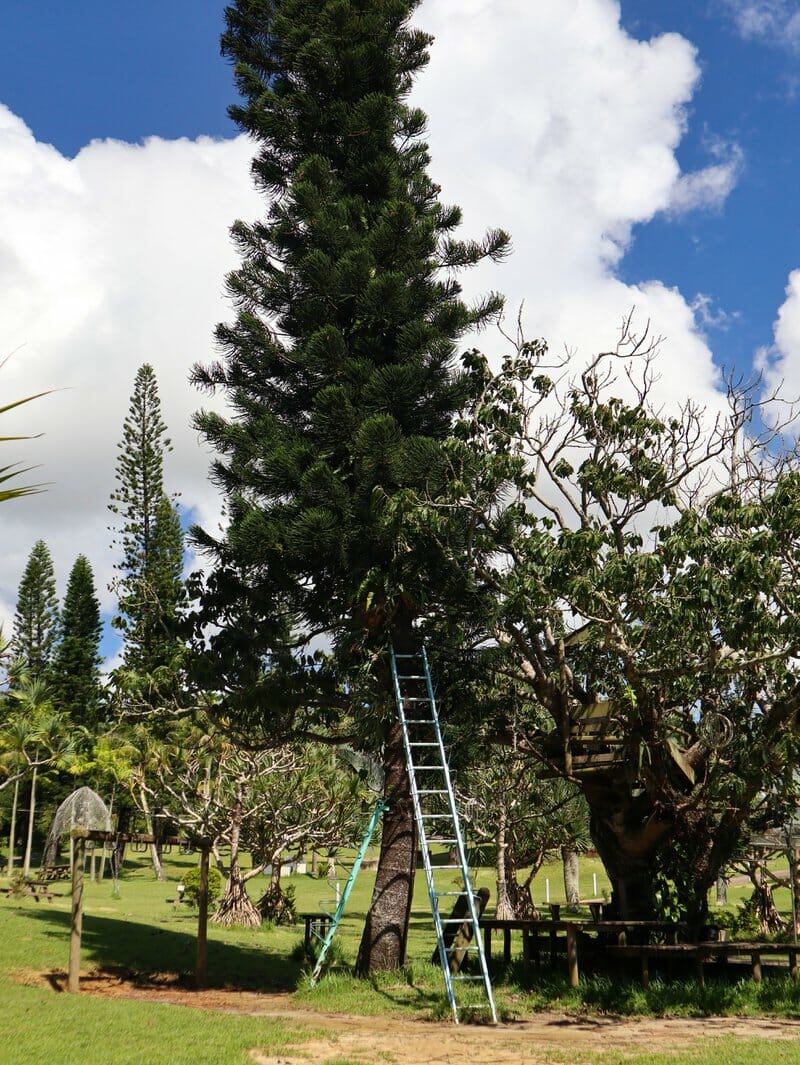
[(191, 883)]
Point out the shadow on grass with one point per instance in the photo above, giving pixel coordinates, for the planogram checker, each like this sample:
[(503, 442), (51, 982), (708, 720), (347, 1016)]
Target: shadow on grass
[(112, 944)]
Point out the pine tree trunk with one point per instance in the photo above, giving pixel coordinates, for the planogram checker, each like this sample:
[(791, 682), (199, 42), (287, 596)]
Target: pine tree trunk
[(155, 857), (12, 832), (572, 891), (235, 907), (26, 869), (383, 943)]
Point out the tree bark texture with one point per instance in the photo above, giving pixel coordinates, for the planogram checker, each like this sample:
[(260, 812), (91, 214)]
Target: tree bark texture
[(235, 907), (12, 832), (627, 836), (572, 891), (383, 943), (155, 856), (26, 869)]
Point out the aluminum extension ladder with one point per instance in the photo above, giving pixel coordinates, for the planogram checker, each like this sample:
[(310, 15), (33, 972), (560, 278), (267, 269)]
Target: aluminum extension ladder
[(438, 824), (335, 917)]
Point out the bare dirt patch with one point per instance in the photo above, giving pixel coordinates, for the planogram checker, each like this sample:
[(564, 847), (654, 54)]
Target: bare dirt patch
[(388, 1040)]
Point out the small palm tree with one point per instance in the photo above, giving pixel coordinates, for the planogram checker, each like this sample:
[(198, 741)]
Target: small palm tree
[(41, 737)]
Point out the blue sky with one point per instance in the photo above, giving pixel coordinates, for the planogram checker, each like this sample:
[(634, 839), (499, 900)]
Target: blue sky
[(643, 154)]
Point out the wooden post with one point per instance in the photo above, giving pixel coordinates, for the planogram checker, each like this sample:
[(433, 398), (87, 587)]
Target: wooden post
[(572, 955), (201, 965), (78, 849), (755, 965)]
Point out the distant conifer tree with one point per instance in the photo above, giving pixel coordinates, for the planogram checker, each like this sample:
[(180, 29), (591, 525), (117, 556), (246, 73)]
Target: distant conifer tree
[(36, 618), (76, 670), (148, 533)]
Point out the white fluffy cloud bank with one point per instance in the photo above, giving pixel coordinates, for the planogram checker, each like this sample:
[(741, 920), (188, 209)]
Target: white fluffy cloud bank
[(546, 119)]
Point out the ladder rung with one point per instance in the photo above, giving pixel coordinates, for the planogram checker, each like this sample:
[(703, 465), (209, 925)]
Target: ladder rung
[(415, 698), (437, 839), (436, 817), (419, 743), (412, 676), (456, 920), (431, 791), (459, 977)]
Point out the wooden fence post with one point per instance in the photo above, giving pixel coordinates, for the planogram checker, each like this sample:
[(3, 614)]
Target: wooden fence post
[(78, 840), (201, 965)]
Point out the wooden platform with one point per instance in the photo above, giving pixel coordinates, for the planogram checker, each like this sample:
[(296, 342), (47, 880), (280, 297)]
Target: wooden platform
[(703, 953)]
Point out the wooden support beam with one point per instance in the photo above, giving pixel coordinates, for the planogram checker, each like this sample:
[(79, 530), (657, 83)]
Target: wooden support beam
[(76, 923)]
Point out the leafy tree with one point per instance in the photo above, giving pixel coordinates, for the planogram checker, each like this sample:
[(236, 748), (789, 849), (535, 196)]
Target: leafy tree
[(76, 669), (262, 801), (148, 533), (645, 597), (36, 617), (339, 372)]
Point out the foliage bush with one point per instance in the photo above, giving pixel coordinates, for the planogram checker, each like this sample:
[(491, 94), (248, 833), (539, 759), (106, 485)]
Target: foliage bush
[(191, 884), (279, 906)]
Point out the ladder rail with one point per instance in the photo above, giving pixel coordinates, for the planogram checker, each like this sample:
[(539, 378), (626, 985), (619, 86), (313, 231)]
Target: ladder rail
[(380, 808), (423, 842), (462, 850), (452, 816)]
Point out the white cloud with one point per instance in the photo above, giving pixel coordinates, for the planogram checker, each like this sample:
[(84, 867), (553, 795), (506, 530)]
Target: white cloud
[(780, 363), (775, 21), (545, 118), (109, 260), (708, 188), (550, 120)]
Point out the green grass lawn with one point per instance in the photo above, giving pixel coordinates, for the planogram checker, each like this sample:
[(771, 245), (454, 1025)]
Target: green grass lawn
[(140, 930)]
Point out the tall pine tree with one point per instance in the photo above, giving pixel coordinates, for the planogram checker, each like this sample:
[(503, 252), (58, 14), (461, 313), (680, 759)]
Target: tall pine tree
[(339, 370), (77, 690), (149, 535), (36, 617)]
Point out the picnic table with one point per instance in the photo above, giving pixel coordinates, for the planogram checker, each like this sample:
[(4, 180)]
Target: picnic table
[(54, 872), (38, 889), (548, 934)]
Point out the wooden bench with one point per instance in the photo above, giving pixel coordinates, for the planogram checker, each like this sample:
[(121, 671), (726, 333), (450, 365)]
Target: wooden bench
[(702, 953), (54, 872), (317, 926)]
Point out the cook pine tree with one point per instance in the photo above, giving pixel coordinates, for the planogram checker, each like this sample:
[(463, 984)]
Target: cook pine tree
[(76, 667), (36, 617), (340, 373), (147, 534)]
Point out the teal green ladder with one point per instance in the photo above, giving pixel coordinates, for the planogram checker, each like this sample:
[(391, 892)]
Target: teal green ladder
[(380, 807), (438, 825)]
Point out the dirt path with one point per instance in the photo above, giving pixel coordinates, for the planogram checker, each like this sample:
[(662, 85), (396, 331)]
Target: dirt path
[(388, 1040)]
